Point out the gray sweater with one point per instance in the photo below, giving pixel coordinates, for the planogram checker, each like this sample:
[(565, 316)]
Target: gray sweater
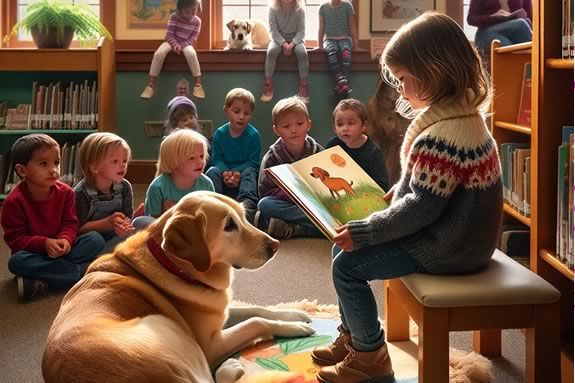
[(447, 205), (287, 26)]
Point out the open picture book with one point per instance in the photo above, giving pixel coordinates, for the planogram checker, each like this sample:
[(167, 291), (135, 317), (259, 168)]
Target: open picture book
[(330, 188)]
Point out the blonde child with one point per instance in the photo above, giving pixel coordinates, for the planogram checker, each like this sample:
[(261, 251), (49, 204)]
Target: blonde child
[(350, 125), (236, 149), (445, 212), (182, 114), (184, 27), (40, 224), (287, 29), (276, 212), (337, 35), (180, 166), (103, 196)]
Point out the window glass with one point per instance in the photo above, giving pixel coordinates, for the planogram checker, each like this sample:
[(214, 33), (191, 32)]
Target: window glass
[(23, 4), (258, 10), (468, 29)]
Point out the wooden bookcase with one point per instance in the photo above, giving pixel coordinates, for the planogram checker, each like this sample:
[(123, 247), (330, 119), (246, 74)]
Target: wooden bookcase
[(97, 62), (551, 109)]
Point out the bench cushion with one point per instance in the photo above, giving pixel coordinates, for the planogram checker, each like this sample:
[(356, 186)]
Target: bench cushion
[(503, 282)]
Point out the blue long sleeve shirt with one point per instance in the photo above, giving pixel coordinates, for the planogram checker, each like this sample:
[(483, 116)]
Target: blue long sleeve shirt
[(236, 153)]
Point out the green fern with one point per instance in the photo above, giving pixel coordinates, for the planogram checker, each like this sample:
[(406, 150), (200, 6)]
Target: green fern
[(47, 14)]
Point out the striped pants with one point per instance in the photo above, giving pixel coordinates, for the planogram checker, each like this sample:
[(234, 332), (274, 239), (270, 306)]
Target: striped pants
[(338, 57)]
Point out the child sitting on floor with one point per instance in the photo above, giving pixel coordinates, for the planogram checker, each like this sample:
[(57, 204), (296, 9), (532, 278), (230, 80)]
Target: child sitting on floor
[(182, 114), (104, 197), (180, 165), (350, 124), (277, 214), (40, 224), (236, 148)]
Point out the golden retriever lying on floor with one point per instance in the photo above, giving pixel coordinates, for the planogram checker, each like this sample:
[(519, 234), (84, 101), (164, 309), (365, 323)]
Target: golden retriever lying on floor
[(154, 310)]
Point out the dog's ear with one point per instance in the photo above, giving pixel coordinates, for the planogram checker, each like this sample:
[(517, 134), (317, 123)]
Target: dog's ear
[(249, 26), (184, 236), (230, 25)]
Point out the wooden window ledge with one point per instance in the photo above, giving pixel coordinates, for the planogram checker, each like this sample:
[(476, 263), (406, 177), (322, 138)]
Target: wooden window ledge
[(136, 60)]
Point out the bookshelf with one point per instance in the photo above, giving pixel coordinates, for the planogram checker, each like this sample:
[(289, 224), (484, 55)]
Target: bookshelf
[(551, 109), (31, 64)]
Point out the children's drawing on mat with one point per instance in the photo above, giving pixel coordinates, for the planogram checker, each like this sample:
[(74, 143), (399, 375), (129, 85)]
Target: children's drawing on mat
[(149, 14)]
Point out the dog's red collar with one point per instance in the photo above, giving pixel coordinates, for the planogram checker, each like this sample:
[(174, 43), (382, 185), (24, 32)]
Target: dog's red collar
[(161, 257)]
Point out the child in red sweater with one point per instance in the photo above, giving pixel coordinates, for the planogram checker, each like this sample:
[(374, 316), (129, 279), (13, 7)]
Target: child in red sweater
[(40, 224)]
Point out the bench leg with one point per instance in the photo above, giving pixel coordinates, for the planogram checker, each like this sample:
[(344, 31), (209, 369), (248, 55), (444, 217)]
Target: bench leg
[(487, 342), (543, 345), (397, 318), (433, 358)]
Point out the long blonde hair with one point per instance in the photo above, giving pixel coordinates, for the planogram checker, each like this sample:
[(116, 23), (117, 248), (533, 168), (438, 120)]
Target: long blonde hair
[(434, 49), (95, 148), (176, 146)]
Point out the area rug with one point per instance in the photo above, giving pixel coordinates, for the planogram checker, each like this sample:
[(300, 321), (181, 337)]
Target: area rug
[(294, 354)]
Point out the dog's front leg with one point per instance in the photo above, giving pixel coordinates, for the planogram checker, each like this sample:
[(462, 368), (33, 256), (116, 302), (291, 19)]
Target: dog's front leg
[(231, 340), (241, 314)]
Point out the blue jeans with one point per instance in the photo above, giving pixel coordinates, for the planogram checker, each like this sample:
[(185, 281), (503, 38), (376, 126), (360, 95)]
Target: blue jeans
[(247, 191), (61, 272), (508, 32), (351, 273), (273, 207)]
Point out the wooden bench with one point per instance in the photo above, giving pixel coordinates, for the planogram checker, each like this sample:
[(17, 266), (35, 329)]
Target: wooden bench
[(504, 295)]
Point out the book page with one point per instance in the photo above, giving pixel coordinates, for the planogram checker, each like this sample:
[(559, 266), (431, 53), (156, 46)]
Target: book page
[(331, 188)]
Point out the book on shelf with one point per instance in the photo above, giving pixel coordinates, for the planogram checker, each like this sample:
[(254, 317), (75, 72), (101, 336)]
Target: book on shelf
[(564, 235), (509, 170), (524, 113), (18, 118), (3, 109), (330, 188), (567, 34)]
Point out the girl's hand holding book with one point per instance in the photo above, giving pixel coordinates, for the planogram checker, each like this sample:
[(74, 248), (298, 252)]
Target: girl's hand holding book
[(343, 239)]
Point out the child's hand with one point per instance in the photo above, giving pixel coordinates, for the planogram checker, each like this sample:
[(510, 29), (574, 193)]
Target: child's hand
[(343, 238), (115, 220), (229, 179), (125, 228), (139, 211), (178, 49), (167, 205), (57, 247), (389, 195)]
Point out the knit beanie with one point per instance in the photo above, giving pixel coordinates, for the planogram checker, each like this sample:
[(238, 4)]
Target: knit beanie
[(179, 101)]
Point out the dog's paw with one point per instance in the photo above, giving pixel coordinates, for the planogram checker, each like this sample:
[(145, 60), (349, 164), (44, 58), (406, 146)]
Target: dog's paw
[(291, 316), (230, 371), (291, 329)]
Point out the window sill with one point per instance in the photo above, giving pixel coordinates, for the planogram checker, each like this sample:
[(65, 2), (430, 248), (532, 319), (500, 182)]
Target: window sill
[(139, 60)]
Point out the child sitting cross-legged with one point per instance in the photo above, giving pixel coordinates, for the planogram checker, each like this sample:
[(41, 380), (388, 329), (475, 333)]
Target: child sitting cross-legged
[(236, 148), (277, 214), (350, 124), (40, 224), (180, 165), (104, 197)]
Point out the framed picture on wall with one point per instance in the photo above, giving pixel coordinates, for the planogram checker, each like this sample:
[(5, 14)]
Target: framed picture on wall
[(149, 14), (389, 15)]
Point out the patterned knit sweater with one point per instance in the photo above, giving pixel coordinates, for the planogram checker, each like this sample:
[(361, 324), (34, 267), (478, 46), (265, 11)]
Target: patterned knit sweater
[(447, 205)]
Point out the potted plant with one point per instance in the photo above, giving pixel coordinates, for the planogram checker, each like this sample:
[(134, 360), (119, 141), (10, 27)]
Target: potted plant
[(53, 24)]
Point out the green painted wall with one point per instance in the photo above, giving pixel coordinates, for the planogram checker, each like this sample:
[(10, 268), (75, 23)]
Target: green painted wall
[(132, 111)]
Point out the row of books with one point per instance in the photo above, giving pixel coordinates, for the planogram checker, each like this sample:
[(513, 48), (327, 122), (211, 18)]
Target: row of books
[(55, 105), (565, 202), (70, 170), (567, 34), (516, 175)]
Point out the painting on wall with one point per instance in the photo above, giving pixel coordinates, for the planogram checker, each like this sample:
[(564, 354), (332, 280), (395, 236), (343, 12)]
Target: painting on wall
[(390, 15), (149, 14)]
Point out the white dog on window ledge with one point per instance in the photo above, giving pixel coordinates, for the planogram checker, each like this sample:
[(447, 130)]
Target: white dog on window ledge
[(247, 35)]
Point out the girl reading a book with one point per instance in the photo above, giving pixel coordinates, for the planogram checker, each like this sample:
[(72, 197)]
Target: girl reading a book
[(445, 211)]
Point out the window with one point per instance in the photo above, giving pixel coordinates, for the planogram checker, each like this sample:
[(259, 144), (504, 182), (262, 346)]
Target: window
[(23, 4), (258, 10)]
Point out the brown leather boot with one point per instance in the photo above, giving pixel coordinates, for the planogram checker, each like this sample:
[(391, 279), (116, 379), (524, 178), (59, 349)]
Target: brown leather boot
[(360, 367), (335, 352)]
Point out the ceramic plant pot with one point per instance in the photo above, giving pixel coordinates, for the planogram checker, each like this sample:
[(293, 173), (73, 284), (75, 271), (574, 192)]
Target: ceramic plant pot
[(51, 38)]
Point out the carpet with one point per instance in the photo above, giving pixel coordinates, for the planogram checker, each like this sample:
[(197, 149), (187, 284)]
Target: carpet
[(294, 354)]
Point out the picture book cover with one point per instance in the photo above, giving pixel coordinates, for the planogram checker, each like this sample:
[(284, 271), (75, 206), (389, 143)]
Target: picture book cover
[(330, 188), (524, 113)]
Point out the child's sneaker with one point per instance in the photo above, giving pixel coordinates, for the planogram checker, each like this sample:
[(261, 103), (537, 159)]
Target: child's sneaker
[(199, 91), (282, 230), (30, 288), (303, 93), (268, 92), (148, 92)]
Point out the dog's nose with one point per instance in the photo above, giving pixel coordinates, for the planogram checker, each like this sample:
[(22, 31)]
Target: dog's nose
[(240, 37), (272, 247)]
